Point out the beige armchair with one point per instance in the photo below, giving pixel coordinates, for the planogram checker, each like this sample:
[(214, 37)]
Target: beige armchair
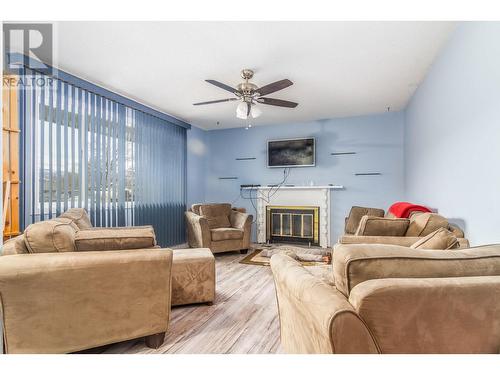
[(392, 299), (371, 225), (58, 296), (218, 227)]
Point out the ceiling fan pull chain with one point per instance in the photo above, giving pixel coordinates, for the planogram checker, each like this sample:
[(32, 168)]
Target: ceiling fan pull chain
[(249, 124)]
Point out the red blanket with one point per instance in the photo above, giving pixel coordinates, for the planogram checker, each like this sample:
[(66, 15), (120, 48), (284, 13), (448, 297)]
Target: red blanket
[(404, 209)]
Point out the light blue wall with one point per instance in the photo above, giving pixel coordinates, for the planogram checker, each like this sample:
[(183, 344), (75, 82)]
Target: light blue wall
[(197, 159), (441, 151), (378, 141), (453, 133)]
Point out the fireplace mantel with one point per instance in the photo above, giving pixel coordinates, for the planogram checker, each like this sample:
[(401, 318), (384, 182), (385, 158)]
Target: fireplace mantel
[(312, 187), (315, 196)]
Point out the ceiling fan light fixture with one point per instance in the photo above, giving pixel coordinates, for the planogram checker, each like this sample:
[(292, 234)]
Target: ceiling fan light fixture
[(255, 111), (241, 110)]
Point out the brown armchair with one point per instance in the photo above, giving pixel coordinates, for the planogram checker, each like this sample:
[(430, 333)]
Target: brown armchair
[(392, 299), (61, 292), (218, 227)]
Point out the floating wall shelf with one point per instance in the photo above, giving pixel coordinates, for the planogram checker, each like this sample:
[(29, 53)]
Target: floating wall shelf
[(343, 153)]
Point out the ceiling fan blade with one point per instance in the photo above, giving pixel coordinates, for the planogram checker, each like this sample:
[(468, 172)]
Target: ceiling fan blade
[(249, 108), (273, 87), (216, 101), (277, 102), (221, 85)]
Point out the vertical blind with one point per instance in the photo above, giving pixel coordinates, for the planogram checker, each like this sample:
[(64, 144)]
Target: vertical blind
[(81, 149)]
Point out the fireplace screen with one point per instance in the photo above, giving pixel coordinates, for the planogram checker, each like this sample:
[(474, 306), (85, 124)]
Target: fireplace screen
[(292, 224)]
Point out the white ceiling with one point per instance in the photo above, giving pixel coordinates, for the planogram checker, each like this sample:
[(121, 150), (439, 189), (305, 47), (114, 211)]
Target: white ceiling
[(339, 69)]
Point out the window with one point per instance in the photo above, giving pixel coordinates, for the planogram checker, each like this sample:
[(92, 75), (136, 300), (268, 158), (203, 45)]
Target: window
[(84, 149)]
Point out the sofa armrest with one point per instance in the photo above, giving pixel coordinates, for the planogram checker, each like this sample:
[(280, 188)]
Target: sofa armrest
[(198, 230), (455, 229), (242, 221), (115, 238), (347, 239), (120, 228), (315, 317), (65, 302)]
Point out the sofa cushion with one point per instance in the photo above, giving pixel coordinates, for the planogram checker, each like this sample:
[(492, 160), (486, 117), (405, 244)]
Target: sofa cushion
[(439, 239), (123, 238), (353, 264), (51, 236), (215, 209), (218, 222), (217, 214), (79, 216), (223, 234), (15, 245), (239, 219), (355, 215), (425, 223), (381, 226)]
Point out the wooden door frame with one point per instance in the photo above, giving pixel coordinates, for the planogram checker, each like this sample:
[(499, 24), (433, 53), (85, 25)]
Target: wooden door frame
[(11, 156)]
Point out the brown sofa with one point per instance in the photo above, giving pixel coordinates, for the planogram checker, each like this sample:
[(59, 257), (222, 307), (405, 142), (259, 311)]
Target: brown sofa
[(61, 292), (373, 225), (392, 299), (218, 227)]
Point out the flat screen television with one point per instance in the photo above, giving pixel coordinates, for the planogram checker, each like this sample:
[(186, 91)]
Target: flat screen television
[(297, 152)]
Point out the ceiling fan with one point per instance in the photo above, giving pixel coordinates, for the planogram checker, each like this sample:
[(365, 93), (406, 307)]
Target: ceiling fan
[(249, 94)]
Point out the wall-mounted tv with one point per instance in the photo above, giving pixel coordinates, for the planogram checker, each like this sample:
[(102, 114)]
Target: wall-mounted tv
[(297, 152)]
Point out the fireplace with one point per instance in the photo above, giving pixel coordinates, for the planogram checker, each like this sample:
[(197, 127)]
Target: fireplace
[(293, 224), (308, 197)]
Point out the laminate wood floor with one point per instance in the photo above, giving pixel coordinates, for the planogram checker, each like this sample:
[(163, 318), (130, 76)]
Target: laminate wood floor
[(243, 319)]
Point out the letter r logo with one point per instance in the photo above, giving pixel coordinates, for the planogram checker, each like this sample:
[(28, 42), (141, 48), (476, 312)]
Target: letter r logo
[(33, 41)]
